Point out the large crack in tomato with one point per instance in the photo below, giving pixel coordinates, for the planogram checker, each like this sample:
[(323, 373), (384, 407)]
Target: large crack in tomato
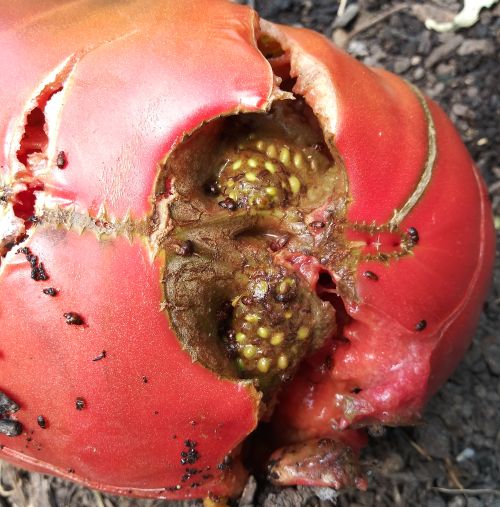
[(243, 203)]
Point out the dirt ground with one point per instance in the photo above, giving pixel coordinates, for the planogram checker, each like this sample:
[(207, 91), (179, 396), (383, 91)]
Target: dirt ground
[(453, 459)]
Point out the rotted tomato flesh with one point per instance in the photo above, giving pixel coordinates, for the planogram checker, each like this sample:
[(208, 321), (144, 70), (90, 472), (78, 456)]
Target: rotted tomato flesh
[(258, 175), (276, 241)]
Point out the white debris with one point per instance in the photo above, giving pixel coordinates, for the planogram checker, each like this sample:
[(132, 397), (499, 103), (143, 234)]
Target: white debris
[(468, 16), (467, 453)]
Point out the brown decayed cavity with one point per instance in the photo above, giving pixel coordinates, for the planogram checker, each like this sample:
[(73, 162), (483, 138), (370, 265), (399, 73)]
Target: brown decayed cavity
[(252, 198)]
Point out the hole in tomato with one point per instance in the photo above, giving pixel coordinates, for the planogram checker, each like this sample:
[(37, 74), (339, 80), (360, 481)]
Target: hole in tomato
[(273, 161), (242, 190), (24, 205), (278, 59), (269, 47), (325, 281)]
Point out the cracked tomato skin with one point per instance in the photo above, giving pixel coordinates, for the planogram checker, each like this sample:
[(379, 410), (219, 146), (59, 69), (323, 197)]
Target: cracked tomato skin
[(128, 81)]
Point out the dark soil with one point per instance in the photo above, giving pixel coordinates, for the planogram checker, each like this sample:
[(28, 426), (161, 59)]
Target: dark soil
[(453, 459)]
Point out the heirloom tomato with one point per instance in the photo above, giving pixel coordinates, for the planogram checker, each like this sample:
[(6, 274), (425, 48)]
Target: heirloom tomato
[(207, 222)]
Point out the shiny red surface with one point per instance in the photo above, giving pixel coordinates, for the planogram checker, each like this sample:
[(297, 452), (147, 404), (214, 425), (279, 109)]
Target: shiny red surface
[(142, 400)]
